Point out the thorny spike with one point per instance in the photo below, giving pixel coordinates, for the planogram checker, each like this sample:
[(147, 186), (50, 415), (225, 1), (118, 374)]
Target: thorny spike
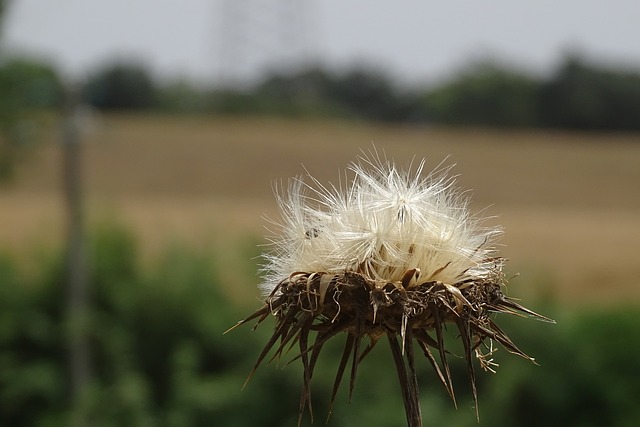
[(441, 349), (366, 351), (516, 308), (341, 367), (436, 367), (356, 358), (463, 327), (305, 396), (266, 349), (264, 311)]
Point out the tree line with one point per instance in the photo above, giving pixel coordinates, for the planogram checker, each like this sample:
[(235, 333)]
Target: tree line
[(579, 95)]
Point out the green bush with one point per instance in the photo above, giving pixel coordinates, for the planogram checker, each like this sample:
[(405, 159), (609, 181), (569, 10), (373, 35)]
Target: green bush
[(159, 357)]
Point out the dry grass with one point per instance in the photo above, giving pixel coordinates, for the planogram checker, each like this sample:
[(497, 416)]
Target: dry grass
[(569, 202)]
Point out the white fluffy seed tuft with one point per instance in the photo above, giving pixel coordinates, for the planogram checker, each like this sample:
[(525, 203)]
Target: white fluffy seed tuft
[(382, 223)]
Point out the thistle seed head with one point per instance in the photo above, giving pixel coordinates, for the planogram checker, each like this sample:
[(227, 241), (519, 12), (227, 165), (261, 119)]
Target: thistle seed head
[(382, 224), (388, 253)]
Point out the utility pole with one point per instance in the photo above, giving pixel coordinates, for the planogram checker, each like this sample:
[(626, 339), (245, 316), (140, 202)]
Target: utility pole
[(78, 320)]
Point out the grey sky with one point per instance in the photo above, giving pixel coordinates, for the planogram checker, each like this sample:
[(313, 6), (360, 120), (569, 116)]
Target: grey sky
[(416, 40)]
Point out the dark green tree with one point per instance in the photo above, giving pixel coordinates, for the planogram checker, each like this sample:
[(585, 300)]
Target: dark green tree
[(584, 96), (121, 86), (302, 93), (486, 95), (31, 83), (370, 94), (360, 93), (26, 86)]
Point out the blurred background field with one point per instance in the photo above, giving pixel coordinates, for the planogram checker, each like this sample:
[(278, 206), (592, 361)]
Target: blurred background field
[(177, 170), (175, 208), (568, 201)]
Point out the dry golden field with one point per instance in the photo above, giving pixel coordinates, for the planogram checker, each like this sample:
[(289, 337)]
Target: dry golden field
[(570, 203)]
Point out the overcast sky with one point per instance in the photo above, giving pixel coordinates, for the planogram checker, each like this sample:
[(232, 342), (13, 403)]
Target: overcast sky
[(415, 40)]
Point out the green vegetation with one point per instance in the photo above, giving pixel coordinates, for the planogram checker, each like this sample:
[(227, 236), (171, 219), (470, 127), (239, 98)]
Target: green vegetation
[(579, 95), (121, 87), (27, 87), (160, 357), (486, 95)]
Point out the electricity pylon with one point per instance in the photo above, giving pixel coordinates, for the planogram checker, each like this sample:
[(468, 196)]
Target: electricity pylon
[(258, 36)]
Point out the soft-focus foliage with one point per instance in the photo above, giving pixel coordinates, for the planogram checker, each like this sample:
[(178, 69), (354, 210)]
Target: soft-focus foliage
[(27, 86), (579, 95), (485, 95), (160, 358), (30, 82), (121, 86), (3, 8)]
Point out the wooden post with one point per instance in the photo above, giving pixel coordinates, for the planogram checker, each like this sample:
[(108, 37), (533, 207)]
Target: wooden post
[(76, 263)]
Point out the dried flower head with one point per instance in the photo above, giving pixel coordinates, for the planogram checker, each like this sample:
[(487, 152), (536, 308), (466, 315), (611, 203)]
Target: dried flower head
[(386, 254)]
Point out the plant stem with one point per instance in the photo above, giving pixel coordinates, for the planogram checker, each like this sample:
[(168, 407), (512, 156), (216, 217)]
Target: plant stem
[(407, 385)]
